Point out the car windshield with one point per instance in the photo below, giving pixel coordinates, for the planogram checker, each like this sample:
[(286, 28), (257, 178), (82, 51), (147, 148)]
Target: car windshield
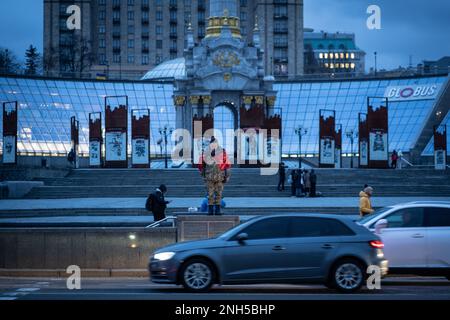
[(369, 217)]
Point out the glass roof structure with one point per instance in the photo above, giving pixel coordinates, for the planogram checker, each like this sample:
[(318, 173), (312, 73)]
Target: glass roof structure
[(429, 149), (300, 104), (171, 69), (45, 108), (46, 105)]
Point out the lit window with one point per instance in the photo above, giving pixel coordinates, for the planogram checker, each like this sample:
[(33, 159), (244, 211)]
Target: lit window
[(326, 55), (326, 65), (342, 66), (342, 56), (347, 66), (321, 55), (352, 56), (331, 65), (331, 55), (346, 56), (352, 65)]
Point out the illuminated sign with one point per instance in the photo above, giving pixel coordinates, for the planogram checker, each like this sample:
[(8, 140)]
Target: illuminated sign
[(412, 92)]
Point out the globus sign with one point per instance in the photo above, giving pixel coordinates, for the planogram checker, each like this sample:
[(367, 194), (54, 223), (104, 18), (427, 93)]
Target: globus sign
[(412, 92)]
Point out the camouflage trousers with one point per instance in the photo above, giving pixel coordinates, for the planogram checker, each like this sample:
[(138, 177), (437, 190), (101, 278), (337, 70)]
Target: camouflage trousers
[(215, 189)]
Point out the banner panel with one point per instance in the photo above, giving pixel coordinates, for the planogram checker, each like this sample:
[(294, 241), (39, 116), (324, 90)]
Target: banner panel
[(378, 146), (9, 149), (116, 146), (363, 153), (327, 151), (440, 159), (95, 153), (140, 153)]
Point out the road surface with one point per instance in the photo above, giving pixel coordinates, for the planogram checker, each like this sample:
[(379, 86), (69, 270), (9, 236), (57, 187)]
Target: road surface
[(141, 289)]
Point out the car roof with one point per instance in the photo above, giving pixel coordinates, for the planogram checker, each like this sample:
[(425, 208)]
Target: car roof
[(309, 215)]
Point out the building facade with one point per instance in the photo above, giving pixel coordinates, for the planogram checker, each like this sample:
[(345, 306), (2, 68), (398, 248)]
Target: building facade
[(123, 39), (332, 53)]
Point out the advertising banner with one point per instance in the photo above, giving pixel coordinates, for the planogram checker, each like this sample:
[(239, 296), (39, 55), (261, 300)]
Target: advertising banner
[(337, 158), (116, 146), (140, 138), (363, 153), (378, 146), (116, 131), (338, 147), (10, 111), (140, 154), (440, 147), (327, 138), (95, 139), (377, 122), (327, 151), (94, 153), (9, 149)]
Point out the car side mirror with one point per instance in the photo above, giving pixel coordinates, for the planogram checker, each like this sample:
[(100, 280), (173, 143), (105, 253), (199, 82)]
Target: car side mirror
[(380, 225), (241, 237)]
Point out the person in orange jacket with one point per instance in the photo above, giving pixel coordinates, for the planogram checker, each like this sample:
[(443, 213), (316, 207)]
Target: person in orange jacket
[(365, 206), (214, 166)]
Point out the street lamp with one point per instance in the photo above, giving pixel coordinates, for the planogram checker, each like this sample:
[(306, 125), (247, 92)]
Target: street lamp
[(351, 134), (300, 131), (165, 132), (376, 69)]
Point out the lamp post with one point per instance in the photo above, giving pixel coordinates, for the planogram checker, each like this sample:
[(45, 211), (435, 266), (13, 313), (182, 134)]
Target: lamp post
[(300, 131), (351, 135), (376, 68), (165, 132)]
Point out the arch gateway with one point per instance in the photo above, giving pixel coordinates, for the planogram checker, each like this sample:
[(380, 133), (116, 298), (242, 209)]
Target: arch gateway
[(225, 72)]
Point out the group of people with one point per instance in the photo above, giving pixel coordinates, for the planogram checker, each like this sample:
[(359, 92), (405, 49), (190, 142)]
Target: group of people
[(303, 182)]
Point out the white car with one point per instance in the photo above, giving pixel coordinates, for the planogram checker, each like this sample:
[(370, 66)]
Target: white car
[(416, 237)]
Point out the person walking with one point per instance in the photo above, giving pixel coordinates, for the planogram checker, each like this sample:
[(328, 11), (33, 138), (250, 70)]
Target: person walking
[(157, 204), (365, 205), (313, 182), (282, 176), (71, 158), (394, 158), (306, 178), (214, 166)]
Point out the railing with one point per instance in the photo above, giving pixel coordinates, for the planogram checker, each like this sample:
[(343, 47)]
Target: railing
[(162, 223)]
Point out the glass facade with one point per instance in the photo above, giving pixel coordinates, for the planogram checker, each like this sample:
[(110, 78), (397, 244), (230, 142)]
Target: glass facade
[(300, 104), (45, 108), (429, 149)]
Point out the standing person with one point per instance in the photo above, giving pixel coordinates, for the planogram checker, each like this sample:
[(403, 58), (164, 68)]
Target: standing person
[(282, 176), (313, 181), (71, 157), (365, 205), (307, 180), (394, 158), (293, 181), (300, 184), (214, 166), (157, 204)]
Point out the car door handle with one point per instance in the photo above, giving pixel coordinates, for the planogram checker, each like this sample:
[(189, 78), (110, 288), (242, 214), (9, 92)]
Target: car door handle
[(327, 246), (418, 235), (278, 248)]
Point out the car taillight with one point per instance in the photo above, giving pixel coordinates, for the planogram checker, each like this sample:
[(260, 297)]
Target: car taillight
[(377, 244)]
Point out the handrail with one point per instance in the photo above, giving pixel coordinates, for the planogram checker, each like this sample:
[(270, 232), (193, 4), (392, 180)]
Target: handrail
[(158, 223), (406, 161)]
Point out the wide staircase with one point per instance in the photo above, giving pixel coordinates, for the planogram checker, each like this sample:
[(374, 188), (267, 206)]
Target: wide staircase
[(130, 183)]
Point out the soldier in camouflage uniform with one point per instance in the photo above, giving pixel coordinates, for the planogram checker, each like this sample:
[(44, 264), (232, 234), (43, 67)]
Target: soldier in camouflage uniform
[(214, 166)]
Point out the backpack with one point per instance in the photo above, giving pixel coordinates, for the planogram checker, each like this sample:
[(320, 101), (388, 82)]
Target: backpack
[(149, 202)]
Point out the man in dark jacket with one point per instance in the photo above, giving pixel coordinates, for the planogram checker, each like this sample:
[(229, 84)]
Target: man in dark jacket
[(158, 203), (282, 174), (313, 181)]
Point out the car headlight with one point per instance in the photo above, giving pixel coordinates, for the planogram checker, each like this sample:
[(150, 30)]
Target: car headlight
[(163, 256)]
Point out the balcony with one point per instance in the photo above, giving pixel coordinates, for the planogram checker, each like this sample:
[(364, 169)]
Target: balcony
[(145, 35), (280, 30), (145, 21), (116, 49), (173, 35), (280, 44), (116, 34), (145, 50), (116, 21)]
